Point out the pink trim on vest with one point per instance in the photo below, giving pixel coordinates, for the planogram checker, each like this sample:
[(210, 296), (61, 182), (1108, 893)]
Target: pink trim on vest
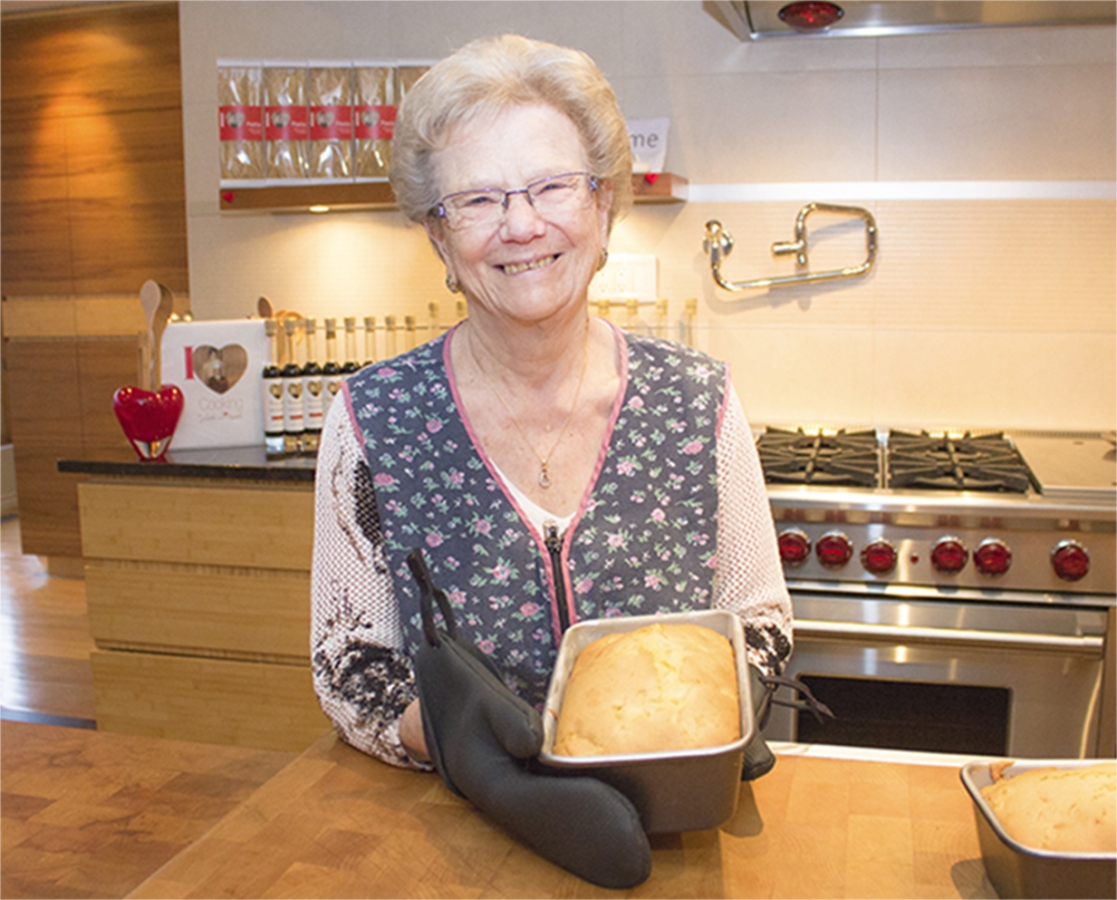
[(545, 554), (348, 397)]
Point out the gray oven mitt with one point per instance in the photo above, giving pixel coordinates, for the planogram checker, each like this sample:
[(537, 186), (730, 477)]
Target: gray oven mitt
[(758, 755), (481, 736)]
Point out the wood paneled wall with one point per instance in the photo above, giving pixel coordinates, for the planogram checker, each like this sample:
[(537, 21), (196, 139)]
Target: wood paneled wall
[(92, 178), (92, 205)]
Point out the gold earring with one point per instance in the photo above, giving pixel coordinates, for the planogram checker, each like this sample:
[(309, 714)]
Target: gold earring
[(604, 259), (452, 285)]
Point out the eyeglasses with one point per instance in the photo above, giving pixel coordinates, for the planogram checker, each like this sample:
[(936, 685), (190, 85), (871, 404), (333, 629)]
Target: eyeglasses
[(551, 197)]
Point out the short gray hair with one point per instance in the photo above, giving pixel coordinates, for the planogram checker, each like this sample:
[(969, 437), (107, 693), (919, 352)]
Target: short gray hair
[(489, 75)]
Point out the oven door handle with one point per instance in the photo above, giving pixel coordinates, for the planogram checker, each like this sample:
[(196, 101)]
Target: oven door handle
[(1006, 640)]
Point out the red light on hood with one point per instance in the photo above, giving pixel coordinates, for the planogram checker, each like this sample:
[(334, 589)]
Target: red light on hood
[(811, 16)]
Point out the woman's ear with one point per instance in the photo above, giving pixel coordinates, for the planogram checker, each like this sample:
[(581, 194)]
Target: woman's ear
[(436, 232), (437, 235)]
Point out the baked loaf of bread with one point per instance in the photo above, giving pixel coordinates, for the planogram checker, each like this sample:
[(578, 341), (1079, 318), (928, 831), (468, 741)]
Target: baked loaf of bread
[(1063, 810), (658, 688)]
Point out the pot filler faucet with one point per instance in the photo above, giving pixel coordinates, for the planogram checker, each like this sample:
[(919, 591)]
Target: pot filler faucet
[(718, 243)]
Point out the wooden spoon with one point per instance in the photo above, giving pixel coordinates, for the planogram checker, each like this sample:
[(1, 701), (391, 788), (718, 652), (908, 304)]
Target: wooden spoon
[(265, 308), (160, 301), (149, 300)]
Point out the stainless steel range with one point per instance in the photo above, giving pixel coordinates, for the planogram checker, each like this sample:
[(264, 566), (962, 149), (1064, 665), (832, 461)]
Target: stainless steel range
[(952, 591)]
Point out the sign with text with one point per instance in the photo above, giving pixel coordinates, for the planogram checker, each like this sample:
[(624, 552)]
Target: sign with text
[(649, 144), (218, 366)]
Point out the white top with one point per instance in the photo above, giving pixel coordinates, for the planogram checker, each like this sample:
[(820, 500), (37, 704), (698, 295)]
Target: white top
[(538, 518)]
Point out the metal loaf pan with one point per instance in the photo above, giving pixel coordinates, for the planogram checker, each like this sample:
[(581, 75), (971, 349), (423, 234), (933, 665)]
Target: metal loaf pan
[(683, 790), (1017, 870)]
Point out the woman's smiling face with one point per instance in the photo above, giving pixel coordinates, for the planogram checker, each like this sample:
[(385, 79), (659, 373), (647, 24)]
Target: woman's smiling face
[(526, 267)]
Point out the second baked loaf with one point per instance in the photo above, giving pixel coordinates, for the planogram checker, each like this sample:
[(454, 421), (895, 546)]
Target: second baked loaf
[(1067, 810)]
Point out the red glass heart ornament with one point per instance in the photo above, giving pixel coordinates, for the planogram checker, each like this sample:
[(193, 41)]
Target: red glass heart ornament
[(148, 418)]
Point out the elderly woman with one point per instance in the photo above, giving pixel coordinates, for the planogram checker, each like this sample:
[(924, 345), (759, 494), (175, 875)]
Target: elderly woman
[(552, 467)]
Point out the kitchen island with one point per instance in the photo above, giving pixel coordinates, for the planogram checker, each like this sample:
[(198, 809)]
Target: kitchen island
[(336, 823), (198, 583), (197, 573), (333, 822)]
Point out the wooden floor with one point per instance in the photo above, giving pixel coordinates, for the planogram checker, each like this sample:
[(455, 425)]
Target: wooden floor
[(44, 640)]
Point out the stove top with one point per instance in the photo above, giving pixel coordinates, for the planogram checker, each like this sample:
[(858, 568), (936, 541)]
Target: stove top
[(990, 512), (844, 458), (987, 462), (990, 462)]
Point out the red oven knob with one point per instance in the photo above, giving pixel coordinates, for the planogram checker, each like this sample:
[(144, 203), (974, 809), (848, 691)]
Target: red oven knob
[(879, 557), (1071, 560), (795, 546), (834, 549), (949, 555), (992, 557)]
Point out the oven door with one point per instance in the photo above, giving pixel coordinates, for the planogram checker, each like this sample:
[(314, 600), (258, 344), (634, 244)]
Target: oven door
[(954, 675)]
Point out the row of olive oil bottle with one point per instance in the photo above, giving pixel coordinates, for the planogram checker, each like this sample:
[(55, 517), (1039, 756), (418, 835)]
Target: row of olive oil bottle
[(298, 393), (298, 390)]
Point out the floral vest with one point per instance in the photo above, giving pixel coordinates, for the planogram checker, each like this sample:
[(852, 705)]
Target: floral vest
[(644, 540)]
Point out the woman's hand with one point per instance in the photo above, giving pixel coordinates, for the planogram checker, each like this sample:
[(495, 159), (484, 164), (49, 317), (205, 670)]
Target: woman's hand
[(411, 733)]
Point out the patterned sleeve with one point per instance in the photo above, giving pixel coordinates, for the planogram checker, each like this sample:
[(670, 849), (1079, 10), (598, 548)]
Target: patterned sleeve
[(749, 577), (363, 677)]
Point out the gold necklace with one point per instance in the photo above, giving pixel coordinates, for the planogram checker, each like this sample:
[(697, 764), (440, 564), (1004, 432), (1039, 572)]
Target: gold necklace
[(544, 475)]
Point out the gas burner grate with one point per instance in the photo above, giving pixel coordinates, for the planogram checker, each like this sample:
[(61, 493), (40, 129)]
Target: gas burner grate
[(987, 462), (840, 459)]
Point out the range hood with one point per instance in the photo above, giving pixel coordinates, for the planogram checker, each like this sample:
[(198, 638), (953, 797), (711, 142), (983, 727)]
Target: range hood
[(760, 19)]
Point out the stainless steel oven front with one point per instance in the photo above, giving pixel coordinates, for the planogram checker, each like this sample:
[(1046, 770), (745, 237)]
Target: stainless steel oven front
[(949, 671), (952, 592)]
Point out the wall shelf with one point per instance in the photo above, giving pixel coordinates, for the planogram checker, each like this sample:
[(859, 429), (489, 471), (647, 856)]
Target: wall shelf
[(377, 195)]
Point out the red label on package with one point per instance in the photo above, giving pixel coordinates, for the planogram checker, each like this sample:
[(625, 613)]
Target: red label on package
[(374, 122), (331, 123), (241, 123), (286, 123)]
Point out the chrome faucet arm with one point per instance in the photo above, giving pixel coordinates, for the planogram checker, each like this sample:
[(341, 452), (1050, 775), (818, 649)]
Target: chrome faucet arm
[(718, 244)]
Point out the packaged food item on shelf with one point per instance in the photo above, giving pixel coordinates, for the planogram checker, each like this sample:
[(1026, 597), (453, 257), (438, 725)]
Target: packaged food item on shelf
[(370, 340), (350, 365), (329, 88), (375, 95), (331, 371), (273, 395), (240, 120), (312, 392), (408, 72), (286, 120), (292, 374)]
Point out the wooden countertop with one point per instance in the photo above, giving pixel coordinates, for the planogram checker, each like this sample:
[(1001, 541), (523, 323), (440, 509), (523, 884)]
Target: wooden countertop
[(337, 823), (92, 813)]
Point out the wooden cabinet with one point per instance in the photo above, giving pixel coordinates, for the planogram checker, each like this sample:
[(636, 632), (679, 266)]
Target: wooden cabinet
[(199, 604)]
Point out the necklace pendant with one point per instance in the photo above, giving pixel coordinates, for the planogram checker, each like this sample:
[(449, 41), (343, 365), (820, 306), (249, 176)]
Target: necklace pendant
[(544, 478)]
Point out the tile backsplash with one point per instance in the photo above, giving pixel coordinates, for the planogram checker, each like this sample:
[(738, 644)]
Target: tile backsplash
[(993, 301)]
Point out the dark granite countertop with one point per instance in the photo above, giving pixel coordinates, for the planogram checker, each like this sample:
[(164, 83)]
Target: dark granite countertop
[(232, 463)]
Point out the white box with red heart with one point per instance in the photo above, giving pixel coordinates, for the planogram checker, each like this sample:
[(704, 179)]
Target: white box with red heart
[(218, 366)]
